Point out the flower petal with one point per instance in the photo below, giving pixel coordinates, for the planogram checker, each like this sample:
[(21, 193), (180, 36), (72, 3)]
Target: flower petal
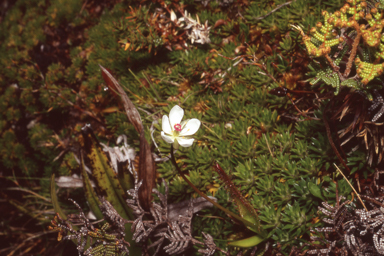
[(173, 16), (191, 127), (166, 125), (184, 123), (185, 142), (175, 115), (167, 138)]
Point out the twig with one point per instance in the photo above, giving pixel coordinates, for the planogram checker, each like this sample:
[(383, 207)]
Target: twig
[(329, 134), (353, 51), (31, 192), (351, 187), (82, 7), (274, 10), (330, 61), (233, 215), (270, 151)]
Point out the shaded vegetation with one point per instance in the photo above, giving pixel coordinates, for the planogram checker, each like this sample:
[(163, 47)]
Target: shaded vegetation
[(238, 66)]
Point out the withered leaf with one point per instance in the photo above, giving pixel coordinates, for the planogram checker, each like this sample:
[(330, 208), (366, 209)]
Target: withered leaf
[(147, 172), (132, 113), (268, 49), (219, 23), (147, 169)]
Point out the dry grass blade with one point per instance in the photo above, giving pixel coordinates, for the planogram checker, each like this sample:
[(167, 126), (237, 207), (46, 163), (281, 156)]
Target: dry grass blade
[(343, 112), (351, 187), (31, 192)]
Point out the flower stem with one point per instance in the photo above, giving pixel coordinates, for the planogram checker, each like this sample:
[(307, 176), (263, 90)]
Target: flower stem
[(233, 215)]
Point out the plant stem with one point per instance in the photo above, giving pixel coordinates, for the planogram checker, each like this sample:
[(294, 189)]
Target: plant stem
[(235, 216)]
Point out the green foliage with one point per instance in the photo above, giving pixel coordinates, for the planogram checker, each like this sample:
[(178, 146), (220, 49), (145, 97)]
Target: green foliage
[(64, 11), (279, 160), (361, 27)]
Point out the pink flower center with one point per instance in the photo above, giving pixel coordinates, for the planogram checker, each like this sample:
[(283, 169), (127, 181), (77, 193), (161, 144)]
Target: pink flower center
[(177, 127)]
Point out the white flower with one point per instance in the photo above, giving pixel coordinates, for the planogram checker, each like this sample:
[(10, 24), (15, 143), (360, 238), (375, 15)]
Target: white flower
[(173, 16), (174, 131)]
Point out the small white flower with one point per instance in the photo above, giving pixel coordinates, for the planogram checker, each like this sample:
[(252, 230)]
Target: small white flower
[(174, 131), (173, 16)]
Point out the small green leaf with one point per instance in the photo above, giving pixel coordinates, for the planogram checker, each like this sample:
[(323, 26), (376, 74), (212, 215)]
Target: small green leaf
[(248, 215), (247, 242), (315, 190), (124, 176), (90, 193), (55, 202), (350, 82)]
